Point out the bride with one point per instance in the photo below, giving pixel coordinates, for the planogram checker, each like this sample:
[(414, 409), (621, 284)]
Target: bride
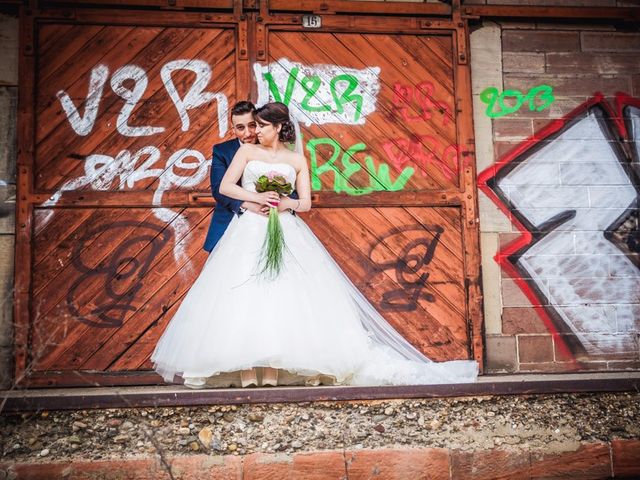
[(310, 325)]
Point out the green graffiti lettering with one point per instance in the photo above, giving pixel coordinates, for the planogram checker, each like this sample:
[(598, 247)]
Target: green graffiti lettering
[(383, 178), (506, 109), (310, 85), (379, 178), (546, 95), (328, 166), (346, 96), (491, 97), (275, 91)]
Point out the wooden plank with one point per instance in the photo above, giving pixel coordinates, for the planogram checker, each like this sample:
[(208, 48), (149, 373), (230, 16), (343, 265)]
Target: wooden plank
[(71, 51), (209, 4), (138, 355), (54, 121), (63, 140), (470, 226), (370, 7), (49, 35), (386, 119), (22, 259)]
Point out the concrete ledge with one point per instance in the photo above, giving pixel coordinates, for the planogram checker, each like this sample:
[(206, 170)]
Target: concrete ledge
[(178, 395)]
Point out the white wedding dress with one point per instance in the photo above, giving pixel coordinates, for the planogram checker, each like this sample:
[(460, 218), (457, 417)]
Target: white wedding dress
[(310, 321)]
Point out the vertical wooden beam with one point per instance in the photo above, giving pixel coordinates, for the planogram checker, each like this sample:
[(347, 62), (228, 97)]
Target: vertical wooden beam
[(24, 188), (471, 226), (243, 61)]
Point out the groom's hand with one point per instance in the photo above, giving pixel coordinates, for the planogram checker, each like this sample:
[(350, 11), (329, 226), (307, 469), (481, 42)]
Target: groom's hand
[(256, 208)]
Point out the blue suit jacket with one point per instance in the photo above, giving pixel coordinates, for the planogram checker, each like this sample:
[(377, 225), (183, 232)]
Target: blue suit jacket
[(225, 206)]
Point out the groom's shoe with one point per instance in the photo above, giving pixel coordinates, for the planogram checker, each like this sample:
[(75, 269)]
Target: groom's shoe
[(249, 378), (195, 382)]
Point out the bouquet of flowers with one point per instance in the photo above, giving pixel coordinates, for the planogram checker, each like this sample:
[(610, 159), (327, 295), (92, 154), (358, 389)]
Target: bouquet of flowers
[(272, 254)]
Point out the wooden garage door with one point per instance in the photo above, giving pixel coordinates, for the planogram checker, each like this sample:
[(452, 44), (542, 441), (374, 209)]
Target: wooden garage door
[(114, 204)]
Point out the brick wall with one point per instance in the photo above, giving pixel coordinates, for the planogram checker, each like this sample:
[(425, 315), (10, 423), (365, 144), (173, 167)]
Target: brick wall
[(584, 315), (8, 155)]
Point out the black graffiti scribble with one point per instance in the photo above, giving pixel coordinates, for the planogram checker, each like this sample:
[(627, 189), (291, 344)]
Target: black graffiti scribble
[(410, 265), (119, 265)]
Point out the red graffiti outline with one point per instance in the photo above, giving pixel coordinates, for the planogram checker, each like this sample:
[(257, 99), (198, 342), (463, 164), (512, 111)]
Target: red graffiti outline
[(526, 237)]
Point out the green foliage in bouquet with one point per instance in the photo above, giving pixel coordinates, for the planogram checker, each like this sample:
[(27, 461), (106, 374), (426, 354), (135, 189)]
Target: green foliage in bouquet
[(275, 183), (273, 247)]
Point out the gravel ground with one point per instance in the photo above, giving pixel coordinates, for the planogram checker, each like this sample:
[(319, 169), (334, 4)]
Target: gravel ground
[(550, 422)]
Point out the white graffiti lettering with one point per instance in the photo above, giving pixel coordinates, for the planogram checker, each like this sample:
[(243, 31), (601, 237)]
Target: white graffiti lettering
[(318, 94), (84, 125), (196, 95), (131, 98)]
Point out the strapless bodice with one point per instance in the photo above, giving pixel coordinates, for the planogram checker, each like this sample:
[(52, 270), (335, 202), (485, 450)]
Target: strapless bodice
[(256, 168)]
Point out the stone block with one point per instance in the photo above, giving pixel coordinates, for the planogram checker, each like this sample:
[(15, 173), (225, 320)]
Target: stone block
[(483, 133), (610, 42), (589, 62), (8, 50), (523, 62), (486, 58), (587, 462), (8, 134), (512, 129), (501, 353), (537, 41), (7, 209), (535, 348), (491, 217), (489, 464), (491, 276), (513, 296), (6, 290), (583, 84), (626, 458), (396, 464), (517, 320)]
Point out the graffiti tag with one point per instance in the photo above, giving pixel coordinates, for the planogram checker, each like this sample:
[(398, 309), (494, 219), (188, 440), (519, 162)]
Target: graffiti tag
[(539, 98), (424, 151), (119, 266), (422, 94), (319, 94), (410, 266), (123, 76), (379, 177)]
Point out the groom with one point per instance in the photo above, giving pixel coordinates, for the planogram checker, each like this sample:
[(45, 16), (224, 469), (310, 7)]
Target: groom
[(244, 127)]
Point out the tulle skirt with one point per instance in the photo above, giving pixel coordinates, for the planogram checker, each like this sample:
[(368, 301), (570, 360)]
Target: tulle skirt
[(310, 321)]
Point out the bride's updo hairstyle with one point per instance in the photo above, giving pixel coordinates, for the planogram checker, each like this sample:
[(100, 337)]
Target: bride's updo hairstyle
[(277, 113)]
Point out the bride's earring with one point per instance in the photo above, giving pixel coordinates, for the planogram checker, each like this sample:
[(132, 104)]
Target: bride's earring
[(270, 377), (248, 378)]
